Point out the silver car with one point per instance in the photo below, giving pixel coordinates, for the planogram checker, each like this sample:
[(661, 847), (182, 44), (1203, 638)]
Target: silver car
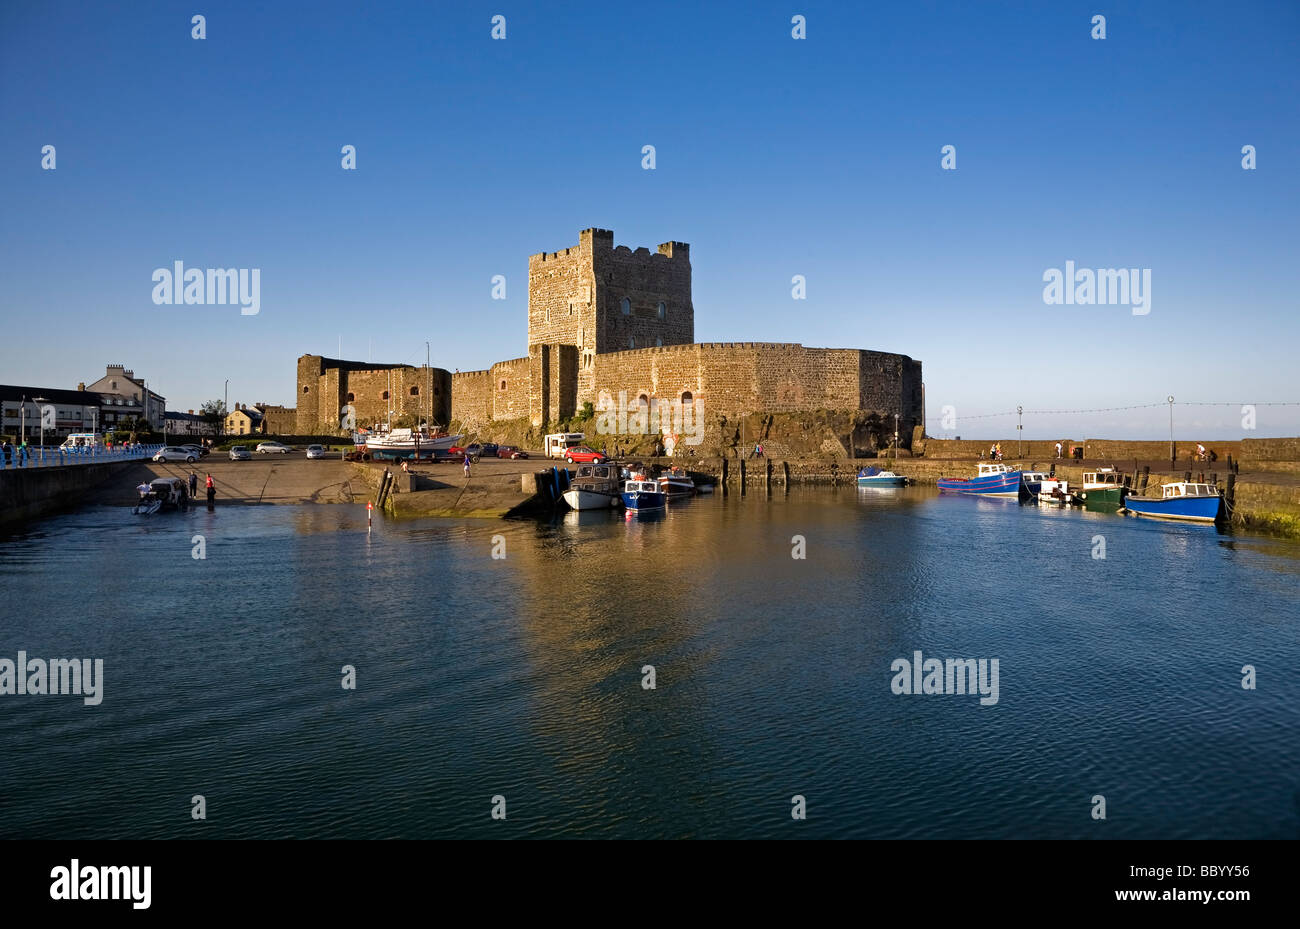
[(315, 451), (273, 448), (240, 453), (176, 453)]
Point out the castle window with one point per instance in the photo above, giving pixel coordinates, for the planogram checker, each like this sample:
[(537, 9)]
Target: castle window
[(626, 306), (631, 341), (687, 398), (351, 397), (570, 309), (306, 390), (663, 310), (642, 400), (415, 391), (385, 397), (503, 385), (659, 342)]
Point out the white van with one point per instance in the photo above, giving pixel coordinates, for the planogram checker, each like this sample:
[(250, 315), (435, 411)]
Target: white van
[(81, 440), (558, 442)]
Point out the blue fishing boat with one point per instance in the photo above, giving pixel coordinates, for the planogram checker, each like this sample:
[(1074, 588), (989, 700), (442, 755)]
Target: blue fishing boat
[(993, 480), (1182, 500), (874, 477), (641, 496)]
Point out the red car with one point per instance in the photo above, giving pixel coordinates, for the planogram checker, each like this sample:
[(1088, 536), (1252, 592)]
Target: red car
[(582, 455), (511, 451)]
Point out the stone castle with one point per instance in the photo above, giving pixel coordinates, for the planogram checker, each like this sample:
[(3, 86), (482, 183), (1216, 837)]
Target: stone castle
[(605, 321)]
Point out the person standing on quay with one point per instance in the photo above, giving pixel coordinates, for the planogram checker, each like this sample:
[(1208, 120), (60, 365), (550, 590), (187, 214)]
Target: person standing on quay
[(1058, 449), (467, 466), (212, 491), (194, 484)]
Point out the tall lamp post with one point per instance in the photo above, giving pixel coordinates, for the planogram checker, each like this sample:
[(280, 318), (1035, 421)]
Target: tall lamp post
[(429, 375), (225, 406), (22, 420), (1171, 428), (1020, 430), (41, 414)]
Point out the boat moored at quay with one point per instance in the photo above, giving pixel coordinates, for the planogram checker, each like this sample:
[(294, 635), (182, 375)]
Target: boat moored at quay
[(641, 496), (596, 487), (874, 477), (1105, 485), (1182, 500), (992, 480)]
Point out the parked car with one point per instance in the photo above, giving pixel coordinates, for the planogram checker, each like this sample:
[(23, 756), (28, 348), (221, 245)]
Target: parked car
[(511, 451), (315, 451), (583, 455), (240, 453), (200, 450), (474, 450), (488, 449), (273, 448), (176, 453)]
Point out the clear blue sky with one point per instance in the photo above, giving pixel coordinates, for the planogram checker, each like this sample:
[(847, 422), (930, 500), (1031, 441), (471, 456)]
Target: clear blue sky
[(775, 157)]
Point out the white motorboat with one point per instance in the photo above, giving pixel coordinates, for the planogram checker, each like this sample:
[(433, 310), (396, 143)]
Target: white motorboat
[(162, 493), (398, 444), (595, 487)]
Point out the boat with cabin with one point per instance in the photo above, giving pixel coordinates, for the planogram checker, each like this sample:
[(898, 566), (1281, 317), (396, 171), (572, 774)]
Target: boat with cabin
[(643, 495), (992, 480), (406, 444), (677, 483), (595, 487), (874, 477), (1188, 501), (1054, 492), (1105, 485)]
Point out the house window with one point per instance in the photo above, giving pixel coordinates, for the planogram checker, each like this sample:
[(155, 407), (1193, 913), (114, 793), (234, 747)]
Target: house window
[(626, 306), (663, 310), (113, 385)]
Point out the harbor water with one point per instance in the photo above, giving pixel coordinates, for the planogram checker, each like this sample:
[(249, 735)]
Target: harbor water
[(513, 660)]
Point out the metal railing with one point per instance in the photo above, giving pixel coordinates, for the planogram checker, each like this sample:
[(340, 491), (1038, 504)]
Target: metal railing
[(57, 456)]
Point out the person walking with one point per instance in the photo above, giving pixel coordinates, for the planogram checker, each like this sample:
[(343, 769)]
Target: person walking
[(467, 466), (194, 484)]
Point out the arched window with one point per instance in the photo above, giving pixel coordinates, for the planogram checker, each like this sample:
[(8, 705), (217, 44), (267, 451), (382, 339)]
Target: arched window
[(631, 341), (687, 398), (306, 390), (626, 306), (643, 400), (503, 384), (351, 397), (663, 309), (415, 391), (659, 343)]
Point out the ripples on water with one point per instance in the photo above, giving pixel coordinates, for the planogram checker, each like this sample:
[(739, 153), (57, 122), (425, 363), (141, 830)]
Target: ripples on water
[(522, 676)]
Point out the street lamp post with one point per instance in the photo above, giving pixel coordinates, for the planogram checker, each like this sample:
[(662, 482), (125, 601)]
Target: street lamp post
[(22, 420), (225, 407), (429, 375), (41, 413), (1171, 428), (1020, 430)]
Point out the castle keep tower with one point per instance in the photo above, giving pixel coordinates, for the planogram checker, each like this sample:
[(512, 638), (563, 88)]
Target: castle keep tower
[(594, 299)]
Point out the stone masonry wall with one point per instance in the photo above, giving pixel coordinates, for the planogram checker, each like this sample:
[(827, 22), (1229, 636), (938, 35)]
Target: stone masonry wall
[(326, 386)]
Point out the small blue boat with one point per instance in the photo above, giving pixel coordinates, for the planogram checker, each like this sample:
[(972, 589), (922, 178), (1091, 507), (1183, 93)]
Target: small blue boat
[(641, 496), (1182, 500), (993, 480), (874, 477)]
